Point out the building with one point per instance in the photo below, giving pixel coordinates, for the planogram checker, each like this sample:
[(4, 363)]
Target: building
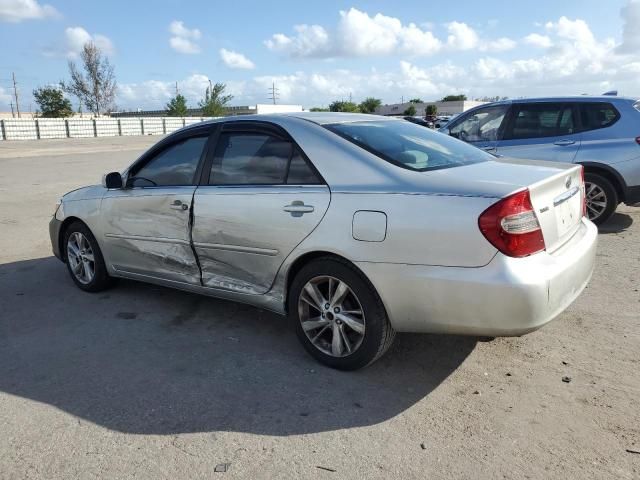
[(230, 111), (444, 108)]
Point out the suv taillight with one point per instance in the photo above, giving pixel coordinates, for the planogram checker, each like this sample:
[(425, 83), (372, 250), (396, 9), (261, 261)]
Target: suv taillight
[(512, 227)]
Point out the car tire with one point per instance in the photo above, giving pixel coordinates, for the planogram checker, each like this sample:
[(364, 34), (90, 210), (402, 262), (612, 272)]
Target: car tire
[(599, 188), (362, 345), (87, 258)]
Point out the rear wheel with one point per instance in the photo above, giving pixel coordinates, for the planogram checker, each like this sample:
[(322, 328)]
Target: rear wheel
[(84, 259), (338, 316), (601, 197)]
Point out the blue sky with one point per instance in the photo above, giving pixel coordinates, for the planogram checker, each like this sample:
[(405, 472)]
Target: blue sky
[(318, 51)]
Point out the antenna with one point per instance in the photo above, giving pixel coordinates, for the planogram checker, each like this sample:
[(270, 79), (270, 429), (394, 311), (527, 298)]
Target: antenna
[(275, 93)]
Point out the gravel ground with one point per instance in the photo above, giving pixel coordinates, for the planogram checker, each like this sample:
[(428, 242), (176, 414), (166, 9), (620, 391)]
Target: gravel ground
[(145, 382)]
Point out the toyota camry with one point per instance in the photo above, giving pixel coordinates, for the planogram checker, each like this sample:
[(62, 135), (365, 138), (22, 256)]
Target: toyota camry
[(355, 226)]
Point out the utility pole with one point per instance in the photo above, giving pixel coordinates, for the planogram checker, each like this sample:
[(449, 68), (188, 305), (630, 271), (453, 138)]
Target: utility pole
[(274, 93), (13, 115), (177, 92), (15, 93)]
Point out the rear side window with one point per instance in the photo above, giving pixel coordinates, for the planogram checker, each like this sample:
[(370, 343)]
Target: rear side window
[(259, 159), (409, 145), (597, 115), (174, 166), (637, 105), (539, 120)]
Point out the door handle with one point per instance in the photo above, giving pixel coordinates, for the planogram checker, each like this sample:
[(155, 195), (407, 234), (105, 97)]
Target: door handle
[(298, 208), (178, 205), (563, 143)]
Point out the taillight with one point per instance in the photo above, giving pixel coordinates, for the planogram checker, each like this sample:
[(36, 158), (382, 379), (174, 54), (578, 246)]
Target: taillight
[(512, 227), (583, 191)]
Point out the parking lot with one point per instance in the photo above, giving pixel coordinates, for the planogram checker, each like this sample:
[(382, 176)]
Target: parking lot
[(146, 382)]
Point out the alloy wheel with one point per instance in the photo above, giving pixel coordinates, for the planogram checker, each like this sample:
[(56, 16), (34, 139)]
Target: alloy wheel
[(596, 200), (80, 257), (331, 316)]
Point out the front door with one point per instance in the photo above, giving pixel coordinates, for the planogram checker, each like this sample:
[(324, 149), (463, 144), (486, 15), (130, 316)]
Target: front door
[(147, 223), (541, 131), (262, 198)]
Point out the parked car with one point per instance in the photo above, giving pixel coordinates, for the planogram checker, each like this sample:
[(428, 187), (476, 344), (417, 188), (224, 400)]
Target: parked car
[(419, 121), (443, 120), (601, 133), (356, 226)]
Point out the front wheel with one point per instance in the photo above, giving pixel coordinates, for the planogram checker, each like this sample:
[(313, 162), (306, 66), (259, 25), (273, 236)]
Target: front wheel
[(84, 259), (601, 197), (338, 316)]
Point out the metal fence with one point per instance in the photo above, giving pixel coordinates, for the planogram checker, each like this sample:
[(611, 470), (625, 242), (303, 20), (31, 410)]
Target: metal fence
[(42, 128)]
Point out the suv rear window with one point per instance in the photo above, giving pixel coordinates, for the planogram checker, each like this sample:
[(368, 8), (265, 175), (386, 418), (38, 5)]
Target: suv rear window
[(409, 145), (597, 115)]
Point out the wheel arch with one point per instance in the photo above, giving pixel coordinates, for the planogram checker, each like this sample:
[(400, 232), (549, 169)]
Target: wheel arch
[(610, 174), (308, 257)]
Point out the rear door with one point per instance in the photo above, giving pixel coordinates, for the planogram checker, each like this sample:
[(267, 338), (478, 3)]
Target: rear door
[(147, 223), (541, 131), (259, 198), (482, 127)]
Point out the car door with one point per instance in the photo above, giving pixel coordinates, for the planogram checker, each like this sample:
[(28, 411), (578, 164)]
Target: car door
[(260, 199), (541, 131), (147, 223), (481, 127)]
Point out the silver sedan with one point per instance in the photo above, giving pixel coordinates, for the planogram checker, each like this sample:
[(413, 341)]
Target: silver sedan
[(355, 226)]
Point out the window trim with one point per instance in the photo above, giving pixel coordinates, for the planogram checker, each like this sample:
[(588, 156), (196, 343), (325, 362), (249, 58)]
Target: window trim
[(164, 145), (516, 107), (261, 128)]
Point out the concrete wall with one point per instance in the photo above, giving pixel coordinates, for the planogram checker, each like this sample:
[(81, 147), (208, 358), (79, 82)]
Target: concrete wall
[(43, 128)]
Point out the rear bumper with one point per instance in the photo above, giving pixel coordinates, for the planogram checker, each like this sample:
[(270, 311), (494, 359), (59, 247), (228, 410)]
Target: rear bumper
[(509, 296), (54, 233)]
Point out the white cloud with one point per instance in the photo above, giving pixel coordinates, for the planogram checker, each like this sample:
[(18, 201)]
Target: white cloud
[(537, 40), (15, 11), (631, 28), (236, 60), (77, 37), (357, 35), (183, 39), (502, 44), (461, 36)]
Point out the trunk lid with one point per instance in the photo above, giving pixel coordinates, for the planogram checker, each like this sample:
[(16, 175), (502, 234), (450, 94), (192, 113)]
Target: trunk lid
[(555, 190)]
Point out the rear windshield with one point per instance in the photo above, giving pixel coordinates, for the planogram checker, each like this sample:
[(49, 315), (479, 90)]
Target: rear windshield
[(408, 145)]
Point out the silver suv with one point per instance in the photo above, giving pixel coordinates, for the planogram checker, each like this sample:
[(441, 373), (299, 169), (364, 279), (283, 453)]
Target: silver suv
[(601, 133)]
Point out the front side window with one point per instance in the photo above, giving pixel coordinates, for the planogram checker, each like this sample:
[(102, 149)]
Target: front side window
[(539, 120), (481, 126), (597, 115), (244, 158), (409, 145), (175, 165)]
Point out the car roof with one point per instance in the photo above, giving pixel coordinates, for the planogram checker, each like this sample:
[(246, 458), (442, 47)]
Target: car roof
[(569, 98)]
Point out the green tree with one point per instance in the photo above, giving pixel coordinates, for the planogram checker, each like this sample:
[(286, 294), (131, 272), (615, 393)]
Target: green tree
[(51, 102), (431, 110), (411, 111), (342, 106), (177, 107), (95, 86), (369, 105), (416, 100), (454, 98), (318, 109), (215, 101)]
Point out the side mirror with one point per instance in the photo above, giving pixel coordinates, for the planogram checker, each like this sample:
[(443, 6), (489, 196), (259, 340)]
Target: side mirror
[(113, 180)]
